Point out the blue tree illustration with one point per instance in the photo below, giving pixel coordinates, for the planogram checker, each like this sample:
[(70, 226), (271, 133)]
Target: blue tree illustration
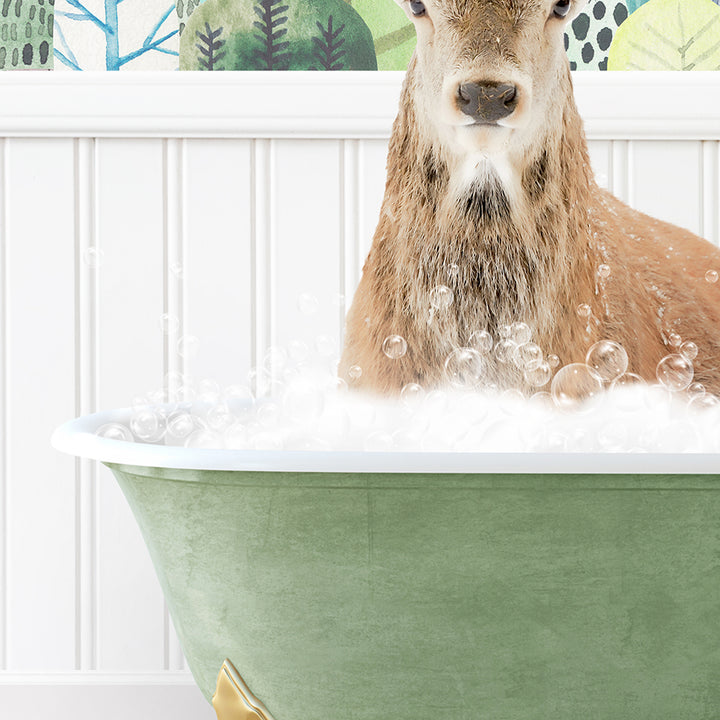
[(110, 28)]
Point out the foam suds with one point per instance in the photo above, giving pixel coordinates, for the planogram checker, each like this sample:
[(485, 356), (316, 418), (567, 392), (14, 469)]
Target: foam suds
[(316, 412), (294, 401)]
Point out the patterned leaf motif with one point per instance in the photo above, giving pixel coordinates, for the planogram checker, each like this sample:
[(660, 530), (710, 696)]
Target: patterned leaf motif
[(669, 35), (272, 55), (328, 51), (26, 34), (210, 45)]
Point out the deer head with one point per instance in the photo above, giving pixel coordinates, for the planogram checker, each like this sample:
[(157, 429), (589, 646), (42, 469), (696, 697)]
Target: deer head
[(490, 80)]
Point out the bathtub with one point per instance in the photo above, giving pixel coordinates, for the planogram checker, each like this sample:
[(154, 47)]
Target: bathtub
[(359, 586)]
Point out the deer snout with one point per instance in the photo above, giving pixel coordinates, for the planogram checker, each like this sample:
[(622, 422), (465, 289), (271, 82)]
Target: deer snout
[(487, 102)]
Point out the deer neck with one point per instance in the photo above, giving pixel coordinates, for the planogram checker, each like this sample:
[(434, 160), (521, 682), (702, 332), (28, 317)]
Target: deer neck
[(510, 235)]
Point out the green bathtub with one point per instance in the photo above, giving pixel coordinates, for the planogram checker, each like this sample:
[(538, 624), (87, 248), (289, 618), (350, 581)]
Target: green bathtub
[(363, 586)]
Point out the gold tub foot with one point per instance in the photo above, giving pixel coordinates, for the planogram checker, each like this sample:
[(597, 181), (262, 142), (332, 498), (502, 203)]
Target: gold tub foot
[(233, 700)]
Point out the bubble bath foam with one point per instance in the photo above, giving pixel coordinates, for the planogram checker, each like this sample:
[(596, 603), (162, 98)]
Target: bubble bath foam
[(355, 586)]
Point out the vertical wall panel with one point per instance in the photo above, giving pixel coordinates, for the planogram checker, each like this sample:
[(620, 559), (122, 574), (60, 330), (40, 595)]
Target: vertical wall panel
[(710, 228), (620, 170), (666, 181), (217, 268), (3, 409), (373, 160), (308, 237), (130, 233), (86, 293), (601, 161), (40, 297), (174, 273)]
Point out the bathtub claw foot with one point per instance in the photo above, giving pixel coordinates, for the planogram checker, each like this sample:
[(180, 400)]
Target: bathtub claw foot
[(233, 700)]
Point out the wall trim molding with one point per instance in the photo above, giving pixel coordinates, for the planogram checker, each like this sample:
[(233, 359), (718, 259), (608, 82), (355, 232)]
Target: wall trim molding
[(90, 677), (111, 696), (629, 105)]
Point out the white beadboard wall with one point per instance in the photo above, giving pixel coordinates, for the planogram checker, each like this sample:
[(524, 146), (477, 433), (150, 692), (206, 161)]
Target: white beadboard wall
[(216, 199)]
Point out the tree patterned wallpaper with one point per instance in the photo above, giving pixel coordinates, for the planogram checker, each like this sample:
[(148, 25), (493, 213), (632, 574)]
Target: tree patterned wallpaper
[(212, 35)]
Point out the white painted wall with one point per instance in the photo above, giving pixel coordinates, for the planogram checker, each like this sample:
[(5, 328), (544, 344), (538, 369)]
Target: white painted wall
[(256, 204)]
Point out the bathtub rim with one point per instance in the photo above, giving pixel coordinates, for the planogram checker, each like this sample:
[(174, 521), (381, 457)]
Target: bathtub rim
[(77, 437)]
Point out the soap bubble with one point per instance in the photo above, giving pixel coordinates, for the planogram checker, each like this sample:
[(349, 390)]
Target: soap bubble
[(93, 257), (308, 304), (180, 424), (208, 386), (675, 372), (520, 333), (354, 372), (539, 375), (584, 310), (627, 380), (528, 356), (275, 360), (146, 425), (441, 297), (115, 431), (219, 417), (188, 346), (464, 367), (394, 346), (574, 385), (711, 276), (704, 401), (169, 323), (412, 395), (259, 381), (542, 398), (482, 341), (604, 271), (336, 385), (689, 350), (695, 389), (453, 270), (174, 380), (608, 359), (553, 361), (298, 351), (505, 350), (674, 339)]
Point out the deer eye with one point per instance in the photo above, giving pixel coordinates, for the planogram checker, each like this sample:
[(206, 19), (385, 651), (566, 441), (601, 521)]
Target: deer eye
[(417, 8), (561, 8)]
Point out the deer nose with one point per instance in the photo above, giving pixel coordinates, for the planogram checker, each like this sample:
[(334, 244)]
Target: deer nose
[(487, 102)]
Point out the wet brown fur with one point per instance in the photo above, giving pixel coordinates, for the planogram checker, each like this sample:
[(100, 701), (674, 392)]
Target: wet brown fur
[(535, 261)]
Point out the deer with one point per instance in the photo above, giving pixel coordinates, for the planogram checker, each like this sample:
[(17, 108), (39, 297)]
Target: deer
[(490, 194)]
